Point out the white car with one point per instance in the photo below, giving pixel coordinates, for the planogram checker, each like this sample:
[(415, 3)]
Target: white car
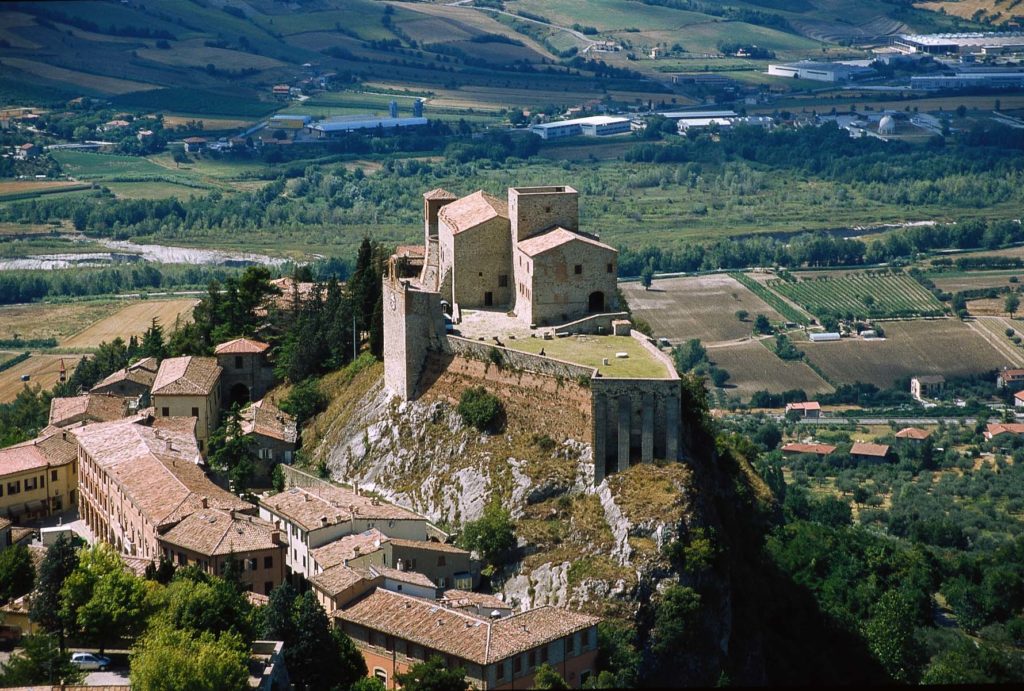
[(90, 661)]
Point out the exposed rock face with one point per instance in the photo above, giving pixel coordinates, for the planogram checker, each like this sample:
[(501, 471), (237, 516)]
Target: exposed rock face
[(597, 548)]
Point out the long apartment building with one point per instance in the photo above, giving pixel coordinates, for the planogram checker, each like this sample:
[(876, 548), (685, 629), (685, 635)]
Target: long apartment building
[(139, 477)]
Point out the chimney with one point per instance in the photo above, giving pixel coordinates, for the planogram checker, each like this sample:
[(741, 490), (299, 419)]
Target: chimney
[(204, 502), (276, 539), (323, 521)]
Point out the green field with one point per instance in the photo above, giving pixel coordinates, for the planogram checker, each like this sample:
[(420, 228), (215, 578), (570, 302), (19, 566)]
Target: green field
[(868, 295)]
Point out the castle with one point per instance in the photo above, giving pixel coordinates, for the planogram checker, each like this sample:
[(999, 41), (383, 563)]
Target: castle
[(509, 272)]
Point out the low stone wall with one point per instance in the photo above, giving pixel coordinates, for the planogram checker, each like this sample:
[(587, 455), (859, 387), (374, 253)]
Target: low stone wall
[(516, 359), (592, 324), (658, 354)]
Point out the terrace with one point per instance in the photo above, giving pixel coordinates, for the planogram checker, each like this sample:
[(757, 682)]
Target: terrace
[(588, 350)]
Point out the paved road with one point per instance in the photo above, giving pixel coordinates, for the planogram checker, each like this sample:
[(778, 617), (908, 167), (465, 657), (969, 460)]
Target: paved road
[(909, 421)]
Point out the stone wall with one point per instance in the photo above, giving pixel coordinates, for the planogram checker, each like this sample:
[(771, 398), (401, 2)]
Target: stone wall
[(516, 359), (557, 406), (594, 324), (413, 324), (532, 210), (482, 255)]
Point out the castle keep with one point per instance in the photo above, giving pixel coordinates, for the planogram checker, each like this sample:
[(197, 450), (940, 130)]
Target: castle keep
[(515, 284)]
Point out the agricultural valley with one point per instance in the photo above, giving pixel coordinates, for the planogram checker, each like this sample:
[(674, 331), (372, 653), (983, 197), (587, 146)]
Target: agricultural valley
[(731, 393)]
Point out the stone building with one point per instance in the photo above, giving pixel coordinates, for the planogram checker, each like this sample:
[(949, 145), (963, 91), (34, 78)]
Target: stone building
[(133, 381), (246, 374), (526, 255), (190, 387), (90, 407), (274, 432)]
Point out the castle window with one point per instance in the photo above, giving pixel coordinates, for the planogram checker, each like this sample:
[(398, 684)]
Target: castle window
[(578, 269), (166, 412), (195, 412), (503, 281), (611, 268), (238, 362), (547, 209)]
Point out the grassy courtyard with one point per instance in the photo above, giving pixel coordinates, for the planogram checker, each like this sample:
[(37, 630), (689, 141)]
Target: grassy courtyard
[(591, 350)]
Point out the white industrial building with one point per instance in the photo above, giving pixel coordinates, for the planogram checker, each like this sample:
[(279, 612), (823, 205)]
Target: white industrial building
[(594, 126), (824, 336), (969, 80), (821, 71), (723, 122), (945, 44), (337, 126)]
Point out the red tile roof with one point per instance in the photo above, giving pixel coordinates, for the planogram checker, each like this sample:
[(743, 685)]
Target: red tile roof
[(1019, 395), (267, 420), (867, 449), (476, 639), (817, 449), (240, 346), (471, 211), (211, 532), (439, 193), (806, 405), (913, 433), (88, 407), (308, 506), (994, 429), (554, 238), (41, 452), (349, 547), (186, 376)]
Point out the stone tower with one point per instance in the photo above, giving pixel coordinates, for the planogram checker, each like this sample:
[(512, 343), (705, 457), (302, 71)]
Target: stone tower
[(532, 210)]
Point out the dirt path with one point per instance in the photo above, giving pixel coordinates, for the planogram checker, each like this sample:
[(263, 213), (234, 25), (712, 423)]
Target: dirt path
[(1012, 353)]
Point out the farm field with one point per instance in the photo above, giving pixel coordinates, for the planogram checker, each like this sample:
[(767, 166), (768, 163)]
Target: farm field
[(57, 320), (953, 281), (752, 367), (74, 78), (11, 190), (696, 307), (42, 370), (132, 320), (889, 295), (924, 346)]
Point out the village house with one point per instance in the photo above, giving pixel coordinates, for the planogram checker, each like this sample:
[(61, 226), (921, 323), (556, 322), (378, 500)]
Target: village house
[(864, 451), (796, 449), (394, 631), (189, 387), (274, 432), (312, 517), (1018, 400), (995, 429), (341, 584), (87, 408), (806, 410), (927, 386), (139, 477), (246, 374), (1012, 379), (913, 434), (209, 537), (193, 145), (27, 152), (39, 477), (133, 381)]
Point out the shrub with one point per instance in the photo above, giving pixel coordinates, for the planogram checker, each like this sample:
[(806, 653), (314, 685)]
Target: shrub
[(480, 408)]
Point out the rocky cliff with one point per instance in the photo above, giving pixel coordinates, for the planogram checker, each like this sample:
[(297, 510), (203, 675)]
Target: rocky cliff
[(607, 549)]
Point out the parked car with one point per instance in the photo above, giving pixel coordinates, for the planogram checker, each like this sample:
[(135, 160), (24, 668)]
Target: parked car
[(90, 661)]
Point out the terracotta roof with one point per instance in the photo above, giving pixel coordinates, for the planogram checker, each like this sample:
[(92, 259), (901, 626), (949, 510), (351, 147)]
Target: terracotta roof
[(464, 598), (410, 251), (454, 632), (155, 468), (866, 449), (91, 407), (257, 599), (195, 140), (411, 577), (349, 547), (211, 532), (913, 433), (307, 506), (818, 449), (338, 579), (188, 376), (427, 545), (439, 193), (806, 405), (1019, 395), (241, 345), (472, 210), (1012, 374), (142, 372), (994, 429), (5, 523), (266, 419), (554, 238), (136, 565), (38, 453)]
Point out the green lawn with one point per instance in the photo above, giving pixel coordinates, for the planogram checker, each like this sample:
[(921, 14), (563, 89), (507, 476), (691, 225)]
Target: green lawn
[(590, 350)]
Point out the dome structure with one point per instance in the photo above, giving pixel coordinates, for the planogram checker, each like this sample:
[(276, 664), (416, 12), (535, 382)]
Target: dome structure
[(887, 125)]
